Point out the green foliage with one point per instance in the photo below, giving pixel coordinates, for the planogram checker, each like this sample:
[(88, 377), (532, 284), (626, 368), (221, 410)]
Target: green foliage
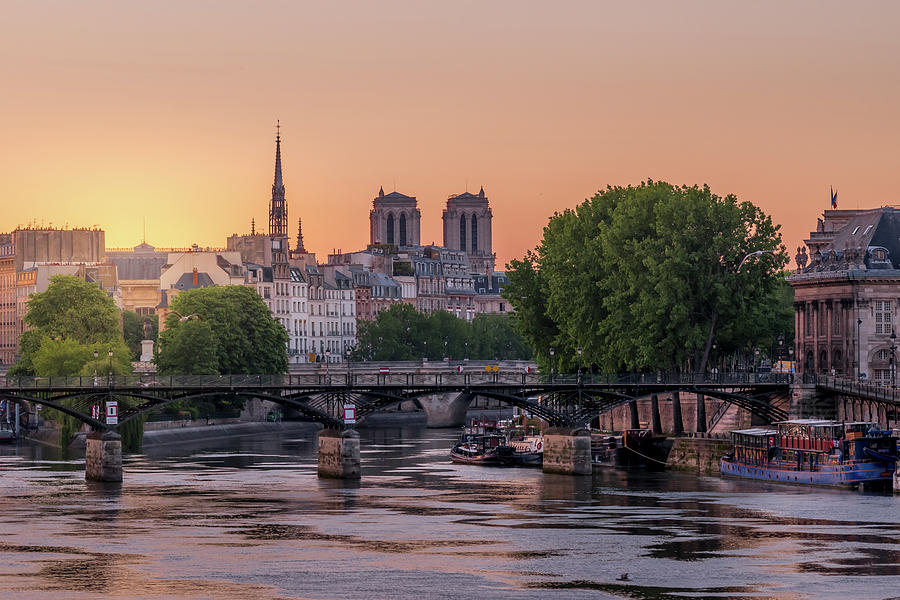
[(68, 321), (75, 326), (191, 348), (247, 338), (133, 330), (132, 434), (75, 309), (403, 333), (647, 277)]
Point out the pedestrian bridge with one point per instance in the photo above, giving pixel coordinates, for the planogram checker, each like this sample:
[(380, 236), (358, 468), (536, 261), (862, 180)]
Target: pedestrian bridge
[(565, 402)]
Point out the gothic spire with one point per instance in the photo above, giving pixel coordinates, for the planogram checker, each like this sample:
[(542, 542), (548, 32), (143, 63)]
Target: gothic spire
[(278, 205), (300, 247)]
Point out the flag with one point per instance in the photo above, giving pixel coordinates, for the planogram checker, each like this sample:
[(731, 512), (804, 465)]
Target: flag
[(833, 198)]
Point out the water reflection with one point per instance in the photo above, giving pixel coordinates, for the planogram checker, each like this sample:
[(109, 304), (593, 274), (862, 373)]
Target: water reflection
[(248, 518)]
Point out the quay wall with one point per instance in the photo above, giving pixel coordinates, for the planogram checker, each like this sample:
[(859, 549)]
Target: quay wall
[(697, 455)]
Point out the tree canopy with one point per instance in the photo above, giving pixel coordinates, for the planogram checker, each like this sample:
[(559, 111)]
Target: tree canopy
[(403, 333), (69, 322), (234, 322), (650, 277)]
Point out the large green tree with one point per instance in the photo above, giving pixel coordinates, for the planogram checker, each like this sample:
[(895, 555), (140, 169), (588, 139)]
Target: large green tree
[(246, 337), (67, 323), (75, 330), (191, 348), (403, 333), (648, 277)]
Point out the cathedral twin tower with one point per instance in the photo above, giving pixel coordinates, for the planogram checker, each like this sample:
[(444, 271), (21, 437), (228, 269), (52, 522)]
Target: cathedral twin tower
[(395, 220)]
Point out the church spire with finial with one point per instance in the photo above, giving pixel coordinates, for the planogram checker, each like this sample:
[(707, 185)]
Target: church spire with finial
[(300, 248), (278, 205)]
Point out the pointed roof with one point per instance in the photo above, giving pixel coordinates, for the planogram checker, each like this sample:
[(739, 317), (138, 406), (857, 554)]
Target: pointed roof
[(300, 247), (278, 206), (279, 181)]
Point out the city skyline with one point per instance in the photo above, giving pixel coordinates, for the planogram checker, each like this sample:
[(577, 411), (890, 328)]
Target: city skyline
[(117, 115)]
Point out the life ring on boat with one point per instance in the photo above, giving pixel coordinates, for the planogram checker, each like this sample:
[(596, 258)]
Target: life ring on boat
[(539, 445)]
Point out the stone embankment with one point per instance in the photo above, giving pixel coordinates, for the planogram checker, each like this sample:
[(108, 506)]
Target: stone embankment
[(698, 454)]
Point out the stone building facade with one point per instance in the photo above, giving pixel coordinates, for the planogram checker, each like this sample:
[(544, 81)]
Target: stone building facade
[(25, 249), (847, 293), (394, 220)]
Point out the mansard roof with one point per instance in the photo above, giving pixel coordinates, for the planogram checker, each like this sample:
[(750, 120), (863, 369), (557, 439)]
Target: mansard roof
[(866, 244)]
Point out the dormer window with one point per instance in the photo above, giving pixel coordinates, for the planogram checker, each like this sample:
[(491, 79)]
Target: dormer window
[(855, 229), (879, 254), (868, 228)]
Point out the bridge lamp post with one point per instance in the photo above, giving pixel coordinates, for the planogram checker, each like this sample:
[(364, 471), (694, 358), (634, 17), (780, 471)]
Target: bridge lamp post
[(578, 350), (96, 355), (109, 378), (893, 347), (552, 352), (347, 354)]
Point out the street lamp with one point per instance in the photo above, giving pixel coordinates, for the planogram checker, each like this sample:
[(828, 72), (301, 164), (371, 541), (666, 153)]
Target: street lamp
[(578, 350), (110, 353), (754, 255), (552, 352), (893, 347), (347, 354), (96, 354)]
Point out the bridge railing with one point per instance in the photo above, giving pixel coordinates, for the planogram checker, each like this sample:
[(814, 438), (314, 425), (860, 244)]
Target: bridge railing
[(347, 378), (855, 387)]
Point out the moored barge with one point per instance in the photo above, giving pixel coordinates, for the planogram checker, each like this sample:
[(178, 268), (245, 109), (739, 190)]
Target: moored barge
[(815, 452)]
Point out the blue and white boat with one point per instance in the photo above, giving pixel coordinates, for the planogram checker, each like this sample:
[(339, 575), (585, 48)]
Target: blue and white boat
[(815, 452)]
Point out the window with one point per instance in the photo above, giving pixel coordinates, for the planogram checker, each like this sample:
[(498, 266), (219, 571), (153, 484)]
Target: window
[(462, 232), (474, 234), (402, 230), (390, 229), (882, 317)]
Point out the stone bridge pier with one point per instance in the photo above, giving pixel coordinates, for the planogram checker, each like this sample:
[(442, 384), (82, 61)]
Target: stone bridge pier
[(567, 451), (103, 456), (447, 409), (339, 454)]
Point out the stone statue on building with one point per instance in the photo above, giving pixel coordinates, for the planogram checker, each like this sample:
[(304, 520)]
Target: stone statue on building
[(801, 257)]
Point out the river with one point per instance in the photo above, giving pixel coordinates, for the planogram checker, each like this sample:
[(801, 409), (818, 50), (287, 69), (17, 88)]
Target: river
[(248, 518)]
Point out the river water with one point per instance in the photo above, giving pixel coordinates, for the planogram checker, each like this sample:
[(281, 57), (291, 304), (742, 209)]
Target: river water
[(248, 518)]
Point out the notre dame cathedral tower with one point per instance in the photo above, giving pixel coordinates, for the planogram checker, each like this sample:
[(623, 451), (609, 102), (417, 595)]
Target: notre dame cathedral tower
[(467, 227)]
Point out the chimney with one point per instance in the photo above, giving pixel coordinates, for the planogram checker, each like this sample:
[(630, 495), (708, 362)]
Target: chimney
[(196, 278)]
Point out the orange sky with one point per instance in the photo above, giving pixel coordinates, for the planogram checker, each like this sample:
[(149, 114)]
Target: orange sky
[(112, 113)]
